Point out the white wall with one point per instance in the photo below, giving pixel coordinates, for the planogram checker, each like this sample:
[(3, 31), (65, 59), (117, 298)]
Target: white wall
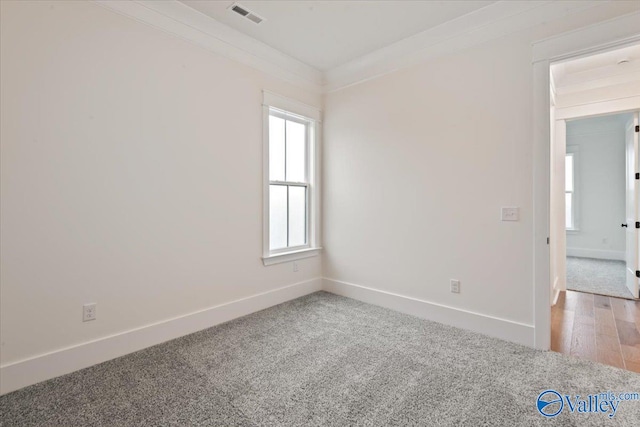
[(600, 179), (417, 166), (131, 177)]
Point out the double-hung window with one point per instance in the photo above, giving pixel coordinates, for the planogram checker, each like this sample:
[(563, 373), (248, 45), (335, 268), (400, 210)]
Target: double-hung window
[(291, 182)]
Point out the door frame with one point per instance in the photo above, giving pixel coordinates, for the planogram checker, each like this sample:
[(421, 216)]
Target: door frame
[(607, 35)]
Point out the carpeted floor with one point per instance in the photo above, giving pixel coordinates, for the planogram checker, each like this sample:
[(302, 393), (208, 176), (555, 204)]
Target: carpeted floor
[(598, 276), (323, 360)]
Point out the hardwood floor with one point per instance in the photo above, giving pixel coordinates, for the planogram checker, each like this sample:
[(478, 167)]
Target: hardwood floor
[(598, 328)]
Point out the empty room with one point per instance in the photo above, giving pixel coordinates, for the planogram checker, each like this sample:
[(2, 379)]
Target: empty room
[(319, 213)]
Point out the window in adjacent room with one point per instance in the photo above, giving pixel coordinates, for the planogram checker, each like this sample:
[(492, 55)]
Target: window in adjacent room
[(570, 190)]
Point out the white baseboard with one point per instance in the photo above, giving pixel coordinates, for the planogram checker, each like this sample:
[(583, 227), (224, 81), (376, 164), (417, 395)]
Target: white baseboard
[(488, 325), (43, 367), (596, 253), (46, 366)]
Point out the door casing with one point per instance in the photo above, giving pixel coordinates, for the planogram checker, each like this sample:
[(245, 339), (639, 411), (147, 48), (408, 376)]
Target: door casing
[(607, 35)]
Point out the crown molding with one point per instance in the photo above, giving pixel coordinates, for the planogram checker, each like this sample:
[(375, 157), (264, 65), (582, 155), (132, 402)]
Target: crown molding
[(581, 85), (621, 30), (182, 21), (491, 22)]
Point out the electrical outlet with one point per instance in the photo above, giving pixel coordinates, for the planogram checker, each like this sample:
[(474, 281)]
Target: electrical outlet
[(89, 312), (510, 213), (455, 286), (295, 267)]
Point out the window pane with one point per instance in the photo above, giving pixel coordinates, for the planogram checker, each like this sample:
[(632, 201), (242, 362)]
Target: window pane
[(569, 210), (296, 147), (568, 170), (277, 216), (297, 216), (276, 149)]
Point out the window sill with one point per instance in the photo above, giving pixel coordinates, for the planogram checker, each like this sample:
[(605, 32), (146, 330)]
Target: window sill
[(290, 256), (572, 230)]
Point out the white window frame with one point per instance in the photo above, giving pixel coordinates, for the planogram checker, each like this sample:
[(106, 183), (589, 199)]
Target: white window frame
[(573, 151), (309, 116)]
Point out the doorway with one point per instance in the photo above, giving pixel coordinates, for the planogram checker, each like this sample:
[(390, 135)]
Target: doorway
[(613, 34), (594, 200), (595, 208)]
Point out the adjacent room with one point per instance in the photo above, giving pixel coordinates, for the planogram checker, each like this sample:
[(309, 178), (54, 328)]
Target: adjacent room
[(323, 213), (596, 208)]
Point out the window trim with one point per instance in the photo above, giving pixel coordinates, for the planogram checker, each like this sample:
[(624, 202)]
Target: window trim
[(310, 116), (573, 151)]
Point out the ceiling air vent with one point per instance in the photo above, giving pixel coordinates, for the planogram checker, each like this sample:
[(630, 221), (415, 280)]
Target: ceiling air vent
[(246, 13)]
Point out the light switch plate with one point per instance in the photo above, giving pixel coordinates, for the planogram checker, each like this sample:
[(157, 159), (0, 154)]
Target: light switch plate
[(510, 213)]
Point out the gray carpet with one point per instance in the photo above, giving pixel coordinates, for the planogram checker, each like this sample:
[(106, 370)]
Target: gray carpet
[(598, 276), (322, 360)]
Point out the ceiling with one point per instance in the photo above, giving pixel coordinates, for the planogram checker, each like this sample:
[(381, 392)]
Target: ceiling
[(331, 33), (598, 70)]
